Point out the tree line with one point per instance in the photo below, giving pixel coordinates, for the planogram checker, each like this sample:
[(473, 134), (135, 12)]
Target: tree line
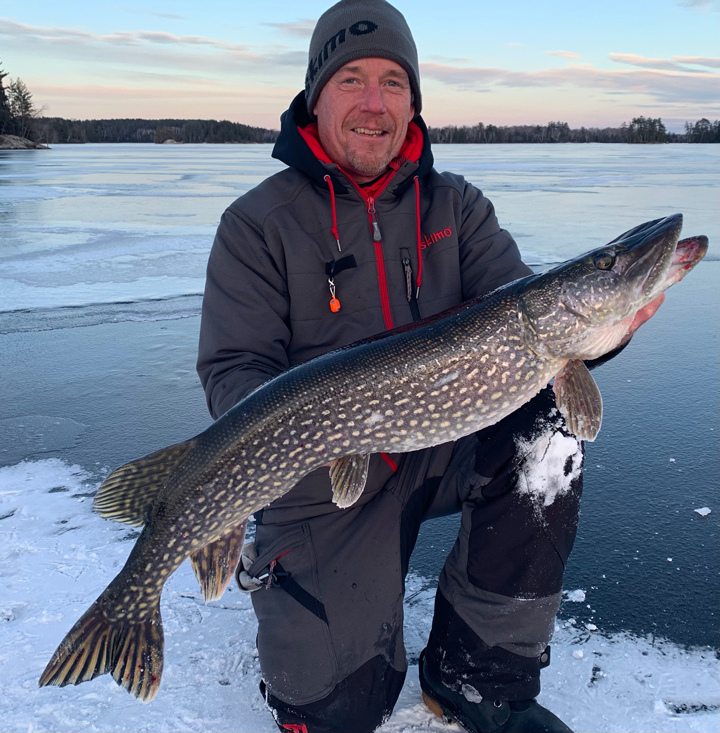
[(640, 130), (55, 130), (20, 116)]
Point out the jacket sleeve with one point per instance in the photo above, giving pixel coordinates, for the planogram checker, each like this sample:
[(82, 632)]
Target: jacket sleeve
[(489, 256), (243, 331)]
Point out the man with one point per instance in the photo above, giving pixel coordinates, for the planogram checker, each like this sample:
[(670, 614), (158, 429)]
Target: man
[(358, 235)]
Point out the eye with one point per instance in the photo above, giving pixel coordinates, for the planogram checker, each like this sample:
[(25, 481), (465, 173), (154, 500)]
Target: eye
[(604, 261)]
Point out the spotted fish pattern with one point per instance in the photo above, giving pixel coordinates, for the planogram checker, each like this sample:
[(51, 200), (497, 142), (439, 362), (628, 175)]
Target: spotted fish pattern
[(411, 388)]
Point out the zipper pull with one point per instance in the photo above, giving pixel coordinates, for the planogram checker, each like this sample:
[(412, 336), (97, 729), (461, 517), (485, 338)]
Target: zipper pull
[(334, 302), (408, 277), (373, 219)]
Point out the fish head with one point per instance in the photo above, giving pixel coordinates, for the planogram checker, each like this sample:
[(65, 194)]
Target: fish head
[(583, 308)]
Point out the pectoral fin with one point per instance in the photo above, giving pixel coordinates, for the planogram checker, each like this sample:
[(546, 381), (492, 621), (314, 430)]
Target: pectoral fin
[(215, 563), (579, 400), (348, 476)]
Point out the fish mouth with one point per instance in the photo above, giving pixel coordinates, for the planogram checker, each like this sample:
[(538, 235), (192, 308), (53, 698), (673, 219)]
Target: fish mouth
[(688, 253), (651, 247)]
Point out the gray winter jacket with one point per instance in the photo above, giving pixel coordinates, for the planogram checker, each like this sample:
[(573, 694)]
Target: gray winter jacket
[(266, 305)]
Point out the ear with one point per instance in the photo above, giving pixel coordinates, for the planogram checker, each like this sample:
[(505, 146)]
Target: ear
[(315, 110)]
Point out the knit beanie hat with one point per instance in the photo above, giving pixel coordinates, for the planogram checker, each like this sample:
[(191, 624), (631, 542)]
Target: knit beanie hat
[(356, 29)]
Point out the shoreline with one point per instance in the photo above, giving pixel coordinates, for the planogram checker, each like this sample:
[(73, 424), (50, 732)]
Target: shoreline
[(15, 142)]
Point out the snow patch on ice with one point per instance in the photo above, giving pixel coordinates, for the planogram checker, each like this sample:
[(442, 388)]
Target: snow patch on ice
[(56, 556), (576, 596)]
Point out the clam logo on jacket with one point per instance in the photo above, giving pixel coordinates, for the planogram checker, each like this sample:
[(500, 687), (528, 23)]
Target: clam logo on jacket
[(427, 240), (361, 28)]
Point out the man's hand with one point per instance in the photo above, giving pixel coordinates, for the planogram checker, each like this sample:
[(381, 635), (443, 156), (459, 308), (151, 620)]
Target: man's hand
[(644, 314)]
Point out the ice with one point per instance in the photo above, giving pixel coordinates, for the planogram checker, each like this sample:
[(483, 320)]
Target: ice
[(108, 223), (703, 511), (576, 596), (56, 556)]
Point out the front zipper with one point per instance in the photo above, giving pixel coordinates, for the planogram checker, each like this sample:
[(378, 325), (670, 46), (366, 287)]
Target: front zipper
[(377, 242), (380, 260), (374, 222)]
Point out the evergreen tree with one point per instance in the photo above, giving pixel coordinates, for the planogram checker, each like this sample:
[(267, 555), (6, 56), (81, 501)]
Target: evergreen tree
[(22, 107), (7, 121)]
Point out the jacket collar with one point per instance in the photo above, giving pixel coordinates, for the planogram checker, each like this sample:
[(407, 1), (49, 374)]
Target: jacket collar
[(291, 149)]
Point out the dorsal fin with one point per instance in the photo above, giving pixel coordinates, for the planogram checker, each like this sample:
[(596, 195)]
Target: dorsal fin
[(128, 492), (348, 476)]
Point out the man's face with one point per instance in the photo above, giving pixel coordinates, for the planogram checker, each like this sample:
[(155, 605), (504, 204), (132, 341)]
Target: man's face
[(363, 113)]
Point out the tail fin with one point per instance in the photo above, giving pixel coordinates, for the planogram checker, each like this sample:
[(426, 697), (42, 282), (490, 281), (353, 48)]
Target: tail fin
[(215, 563), (132, 652)]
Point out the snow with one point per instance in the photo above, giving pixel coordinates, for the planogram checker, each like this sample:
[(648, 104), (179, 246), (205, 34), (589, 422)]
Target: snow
[(576, 596), (56, 556), (542, 470)]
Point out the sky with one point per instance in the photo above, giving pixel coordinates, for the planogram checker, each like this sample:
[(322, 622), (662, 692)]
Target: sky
[(513, 62)]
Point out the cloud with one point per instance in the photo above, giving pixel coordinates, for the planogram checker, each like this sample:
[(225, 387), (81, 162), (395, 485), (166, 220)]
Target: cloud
[(302, 28), (698, 4), (98, 91), (450, 59), (563, 54), (633, 60), (40, 33), (168, 16), (659, 85), (698, 61), (156, 48)]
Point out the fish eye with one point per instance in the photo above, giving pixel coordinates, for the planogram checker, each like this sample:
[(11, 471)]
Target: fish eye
[(604, 261)]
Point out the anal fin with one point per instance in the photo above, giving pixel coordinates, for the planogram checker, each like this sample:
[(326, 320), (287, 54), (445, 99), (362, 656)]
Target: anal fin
[(579, 400), (214, 564), (128, 492), (348, 476)]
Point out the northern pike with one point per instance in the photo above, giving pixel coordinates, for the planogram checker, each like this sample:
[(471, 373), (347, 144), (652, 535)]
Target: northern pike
[(411, 388)]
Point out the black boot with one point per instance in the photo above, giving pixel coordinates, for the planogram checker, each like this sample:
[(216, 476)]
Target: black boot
[(485, 716)]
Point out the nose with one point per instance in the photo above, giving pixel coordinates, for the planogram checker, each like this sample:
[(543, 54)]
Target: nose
[(372, 101)]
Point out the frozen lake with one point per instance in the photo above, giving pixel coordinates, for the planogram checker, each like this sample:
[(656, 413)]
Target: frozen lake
[(102, 258)]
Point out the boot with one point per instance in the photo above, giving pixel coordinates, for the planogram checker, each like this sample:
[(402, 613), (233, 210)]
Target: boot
[(485, 716)]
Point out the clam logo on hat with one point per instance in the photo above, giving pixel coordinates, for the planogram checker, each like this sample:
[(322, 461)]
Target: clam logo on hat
[(361, 28)]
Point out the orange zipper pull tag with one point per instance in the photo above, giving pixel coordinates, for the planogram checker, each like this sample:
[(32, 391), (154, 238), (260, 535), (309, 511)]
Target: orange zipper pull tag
[(334, 302)]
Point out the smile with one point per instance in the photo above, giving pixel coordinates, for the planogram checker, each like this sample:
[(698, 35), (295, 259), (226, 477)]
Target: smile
[(365, 131)]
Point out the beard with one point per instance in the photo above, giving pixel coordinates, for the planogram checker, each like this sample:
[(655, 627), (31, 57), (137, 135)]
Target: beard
[(367, 164)]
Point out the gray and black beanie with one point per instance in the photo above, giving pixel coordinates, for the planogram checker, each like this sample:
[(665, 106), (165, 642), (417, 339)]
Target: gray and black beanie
[(356, 29)]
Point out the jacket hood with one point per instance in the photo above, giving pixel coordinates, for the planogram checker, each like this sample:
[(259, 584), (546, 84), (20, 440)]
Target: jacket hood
[(291, 148)]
